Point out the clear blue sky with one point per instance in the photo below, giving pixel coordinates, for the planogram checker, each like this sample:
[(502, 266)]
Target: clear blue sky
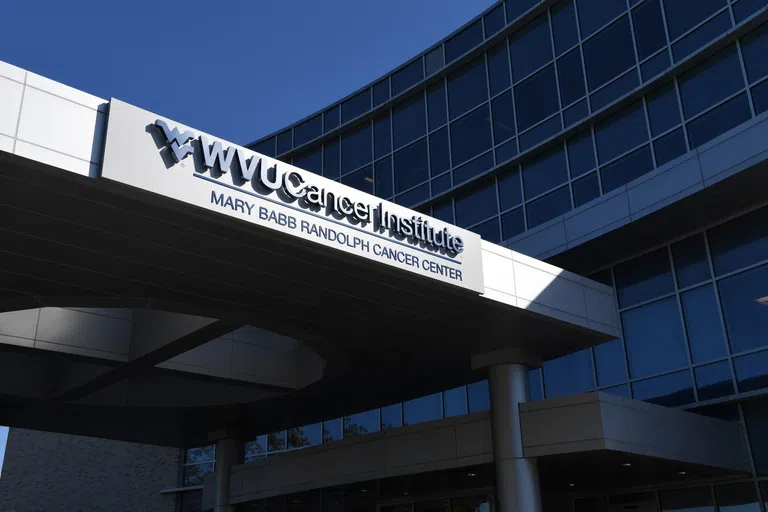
[(236, 69)]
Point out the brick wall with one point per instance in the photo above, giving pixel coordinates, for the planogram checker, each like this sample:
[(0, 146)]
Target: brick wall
[(47, 472)]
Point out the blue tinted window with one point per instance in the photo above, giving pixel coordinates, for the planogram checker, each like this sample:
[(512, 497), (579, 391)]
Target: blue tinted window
[(581, 154), (744, 300), (467, 87), (383, 176), (669, 390), (575, 113), (361, 180), (427, 408), (441, 184), (515, 8), (714, 380), (610, 364), (410, 75), (464, 41), (476, 204), (411, 166), (472, 168), (609, 53), (471, 135), (569, 375), (585, 189), (530, 48), (711, 81), (414, 196), (615, 90), (718, 121), (760, 97), (408, 121), (701, 36), (754, 47), (455, 402), (311, 161), (683, 15), (649, 28), (740, 242), (361, 423), (544, 173), (301, 437), (498, 69), (284, 142), (444, 211), (331, 118), (564, 26), (434, 61), (626, 169), (654, 338), (654, 66), (510, 190), (622, 390), (308, 130), (331, 159), (265, 147), (382, 136), (540, 133), (488, 230), (571, 75), (391, 416), (536, 98), (535, 390), (621, 133), (503, 118), (644, 278), (669, 147), (436, 106), (479, 397), (756, 420), (356, 148), (506, 151), (381, 92), (494, 21), (548, 207), (512, 223), (663, 111), (438, 152), (356, 106), (752, 372), (742, 10), (702, 321), (593, 14), (691, 264)]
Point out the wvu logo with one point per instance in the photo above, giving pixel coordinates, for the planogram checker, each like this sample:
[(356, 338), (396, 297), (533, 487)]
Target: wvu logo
[(177, 141)]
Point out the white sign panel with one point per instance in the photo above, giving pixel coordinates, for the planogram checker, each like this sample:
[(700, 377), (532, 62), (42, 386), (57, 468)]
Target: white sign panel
[(161, 156)]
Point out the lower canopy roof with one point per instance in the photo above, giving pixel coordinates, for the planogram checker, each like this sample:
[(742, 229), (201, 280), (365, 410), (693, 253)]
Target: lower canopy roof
[(381, 336)]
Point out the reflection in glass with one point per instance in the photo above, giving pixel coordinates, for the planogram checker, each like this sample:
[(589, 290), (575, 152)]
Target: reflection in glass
[(609, 53), (257, 449), (332, 430), (544, 173), (740, 242), (194, 474), (408, 121), (714, 380), (476, 204), (302, 437), (426, 408), (751, 371), (715, 122), (745, 308), (549, 206), (711, 81), (361, 423), (455, 402), (644, 278), (621, 132), (536, 98), (651, 330), (530, 48), (471, 135), (690, 257), (609, 361), (649, 28), (668, 390), (569, 375), (581, 154), (276, 441), (479, 396), (467, 87), (702, 321)]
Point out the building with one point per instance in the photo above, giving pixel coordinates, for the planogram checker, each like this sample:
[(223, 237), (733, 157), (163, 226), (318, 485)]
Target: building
[(624, 141)]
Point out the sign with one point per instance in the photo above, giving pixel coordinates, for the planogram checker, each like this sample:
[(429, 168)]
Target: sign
[(155, 154)]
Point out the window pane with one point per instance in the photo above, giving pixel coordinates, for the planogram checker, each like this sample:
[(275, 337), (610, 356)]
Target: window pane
[(332, 430), (711, 81), (512, 223), (649, 28), (311, 161), (308, 130), (434, 60), (381, 92), (756, 420), (626, 169), (409, 121), (752, 371), (615, 90), (621, 133), (193, 475), (498, 69), (441, 184), (265, 147), (331, 118), (690, 500), (361, 423), (737, 498), (702, 321), (257, 449), (575, 113), (382, 136), (464, 41), (691, 264), (503, 118), (740, 242), (383, 176), (473, 168), (276, 441), (414, 196), (410, 75), (654, 66), (284, 142), (476, 204), (467, 87), (201, 454), (356, 106), (564, 26), (455, 402), (644, 278), (506, 151), (331, 159), (444, 211), (488, 230), (652, 330), (571, 75), (302, 437), (479, 397), (669, 390), (581, 154), (683, 15), (744, 299), (356, 149), (609, 361), (609, 53), (411, 166), (361, 180), (701, 36), (663, 111), (536, 98), (593, 14), (548, 207), (510, 190), (436, 106), (540, 133), (585, 190), (391, 416), (530, 48), (669, 147), (516, 8), (427, 408), (718, 121), (743, 9), (471, 135), (714, 380), (760, 97), (569, 375), (754, 47), (544, 173), (494, 21), (438, 152)]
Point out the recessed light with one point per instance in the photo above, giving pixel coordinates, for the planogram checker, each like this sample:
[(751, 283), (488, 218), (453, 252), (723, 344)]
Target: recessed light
[(571, 485), (405, 494), (626, 464), (364, 490), (682, 473), (471, 474)]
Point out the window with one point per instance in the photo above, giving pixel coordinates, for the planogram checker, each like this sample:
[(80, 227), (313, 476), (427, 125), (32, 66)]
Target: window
[(548, 207), (697, 499), (331, 159), (626, 169), (408, 76), (439, 152), (654, 66), (711, 81), (265, 147), (381, 92), (610, 363), (760, 97), (467, 87), (756, 420), (411, 166), (510, 190), (455, 402), (444, 211), (564, 26), (743, 9), (544, 173), (427, 408), (649, 28), (255, 450), (414, 196), (581, 154), (663, 111), (614, 90), (391, 416), (441, 184), (284, 142), (434, 60), (464, 41), (714, 380), (276, 441), (740, 242), (473, 168), (331, 118), (530, 48), (702, 321), (752, 371), (332, 430), (575, 113), (302, 437), (476, 204), (585, 190), (737, 498), (683, 15), (609, 53), (308, 130), (668, 390), (361, 180), (361, 423), (479, 396), (539, 133), (517, 8), (593, 14), (652, 330), (503, 118), (620, 133), (669, 147), (408, 121), (356, 149), (498, 68), (644, 278), (744, 300), (488, 230), (512, 223), (311, 161), (753, 48), (701, 36), (356, 106), (506, 151), (198, 462), (690, 257), (536, 98), (383, 176), (382, 136), (718, 121), (569, 375), (471, 135), (494, 21), (436, 106), (571, 75)]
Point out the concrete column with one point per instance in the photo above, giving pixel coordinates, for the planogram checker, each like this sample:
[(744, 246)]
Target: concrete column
[(227, 455), (517, 478)]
